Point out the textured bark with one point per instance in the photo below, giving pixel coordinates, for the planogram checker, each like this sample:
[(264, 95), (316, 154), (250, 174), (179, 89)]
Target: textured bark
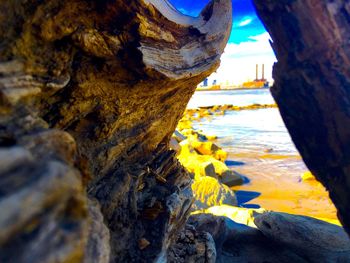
[(193, 246), (312, 86), (90, 93)]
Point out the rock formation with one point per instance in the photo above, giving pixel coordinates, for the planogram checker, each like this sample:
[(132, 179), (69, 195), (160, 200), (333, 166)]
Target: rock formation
[(90, 94), (275, 237), (312, 86), (208, 192), (312, 239), (240, 243), (193, 246)]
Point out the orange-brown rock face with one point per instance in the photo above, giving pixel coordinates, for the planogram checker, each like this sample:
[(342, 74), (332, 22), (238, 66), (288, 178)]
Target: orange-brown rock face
[(90, 93)]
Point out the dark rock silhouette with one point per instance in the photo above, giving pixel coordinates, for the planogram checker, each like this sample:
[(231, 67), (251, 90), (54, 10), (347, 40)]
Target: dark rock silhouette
[(312, 86)]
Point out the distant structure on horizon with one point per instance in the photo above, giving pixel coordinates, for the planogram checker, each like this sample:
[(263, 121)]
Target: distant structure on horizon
[(257, 83), (205, 82)]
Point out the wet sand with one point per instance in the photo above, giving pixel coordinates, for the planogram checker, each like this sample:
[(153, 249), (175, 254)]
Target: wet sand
[(275, 184)]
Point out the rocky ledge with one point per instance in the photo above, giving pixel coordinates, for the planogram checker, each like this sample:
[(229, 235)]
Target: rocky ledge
[(274, 237)]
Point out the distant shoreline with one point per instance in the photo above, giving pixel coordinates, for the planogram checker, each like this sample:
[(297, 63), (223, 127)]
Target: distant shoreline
[(204, 111), (201, 90)]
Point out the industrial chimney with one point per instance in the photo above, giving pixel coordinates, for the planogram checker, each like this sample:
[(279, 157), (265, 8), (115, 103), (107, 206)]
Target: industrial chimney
[(257, 72), (263, 72)]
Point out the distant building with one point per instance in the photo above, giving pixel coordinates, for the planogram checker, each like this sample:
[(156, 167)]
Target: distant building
[(205, 83)]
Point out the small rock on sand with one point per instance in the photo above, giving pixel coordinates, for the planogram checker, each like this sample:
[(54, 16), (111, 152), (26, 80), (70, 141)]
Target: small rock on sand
[(208, 192), (308, 176)]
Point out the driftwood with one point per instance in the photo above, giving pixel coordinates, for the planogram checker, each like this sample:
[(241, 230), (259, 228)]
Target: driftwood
[(312, 86), (90, 93)]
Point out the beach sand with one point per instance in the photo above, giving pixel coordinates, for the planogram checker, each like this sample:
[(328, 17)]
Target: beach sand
[(274, 183)]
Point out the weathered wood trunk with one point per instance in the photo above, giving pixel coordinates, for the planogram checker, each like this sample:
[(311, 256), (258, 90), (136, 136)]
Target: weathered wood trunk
[(312, 86), (90, 93)]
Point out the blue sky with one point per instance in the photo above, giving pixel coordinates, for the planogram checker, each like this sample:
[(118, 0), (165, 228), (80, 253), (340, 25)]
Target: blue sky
[(245, 21), (248, 44)]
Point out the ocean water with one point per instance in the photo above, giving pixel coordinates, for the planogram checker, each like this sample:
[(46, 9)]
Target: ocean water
[(235, 97), (261, 149), (254, 130)]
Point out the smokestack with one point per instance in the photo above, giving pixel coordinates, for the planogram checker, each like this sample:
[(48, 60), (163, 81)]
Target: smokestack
[(257, 72), (263, 71)]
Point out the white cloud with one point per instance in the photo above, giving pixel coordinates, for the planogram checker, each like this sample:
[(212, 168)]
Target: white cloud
[(245, 21), (239, 60)]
